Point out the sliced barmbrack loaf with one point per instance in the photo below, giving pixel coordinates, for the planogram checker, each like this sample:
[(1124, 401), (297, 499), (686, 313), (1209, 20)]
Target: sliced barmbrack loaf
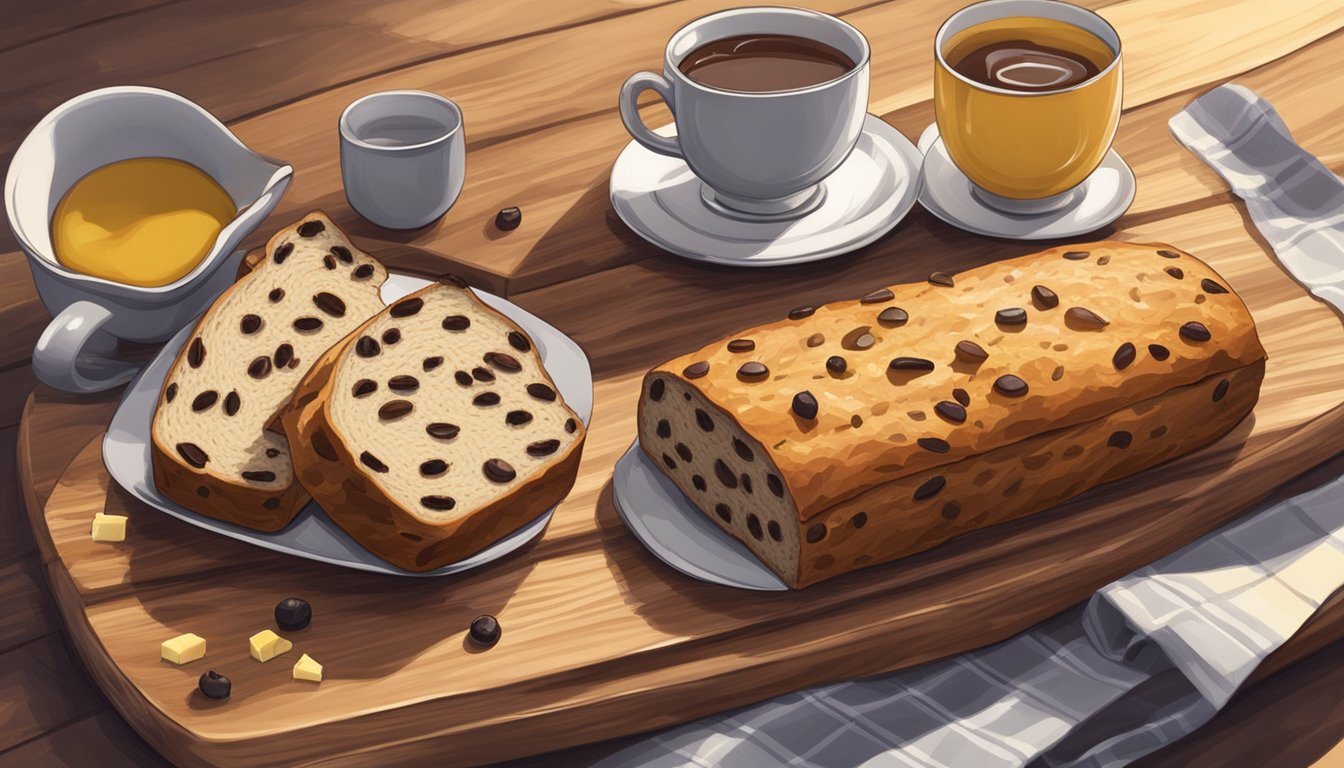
[(212, 451), (433, 430)]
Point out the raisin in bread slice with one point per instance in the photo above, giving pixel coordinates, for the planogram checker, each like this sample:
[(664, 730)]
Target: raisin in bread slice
[(212, 450), (433, 430)]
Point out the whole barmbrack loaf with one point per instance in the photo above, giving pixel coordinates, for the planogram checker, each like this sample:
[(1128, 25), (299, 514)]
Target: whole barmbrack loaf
[(862, 431)]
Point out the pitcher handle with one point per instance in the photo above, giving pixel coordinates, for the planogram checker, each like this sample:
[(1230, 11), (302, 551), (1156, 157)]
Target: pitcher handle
[(73, 353), (630, 91)]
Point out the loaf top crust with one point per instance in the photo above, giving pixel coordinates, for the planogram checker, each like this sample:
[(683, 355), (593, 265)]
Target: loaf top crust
[(1087, 329)]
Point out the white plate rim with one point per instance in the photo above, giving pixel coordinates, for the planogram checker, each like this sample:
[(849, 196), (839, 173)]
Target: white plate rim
[(555, 348)]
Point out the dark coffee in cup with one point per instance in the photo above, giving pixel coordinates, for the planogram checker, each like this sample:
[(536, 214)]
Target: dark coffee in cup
[(1026, 66), (764, 63)]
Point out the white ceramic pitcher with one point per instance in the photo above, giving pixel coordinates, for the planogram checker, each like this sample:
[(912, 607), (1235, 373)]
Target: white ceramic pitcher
[(75, 352)]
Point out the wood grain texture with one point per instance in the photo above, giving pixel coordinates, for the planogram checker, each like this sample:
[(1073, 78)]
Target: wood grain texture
[(42, 689), (101, 740)]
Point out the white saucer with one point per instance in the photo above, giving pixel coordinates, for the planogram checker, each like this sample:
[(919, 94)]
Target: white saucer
[(669, 526), (947, 194), (660, 199), (312, 535)]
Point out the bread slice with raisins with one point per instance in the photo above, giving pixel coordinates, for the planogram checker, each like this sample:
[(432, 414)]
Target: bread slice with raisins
[(212, 450), (433, 430)]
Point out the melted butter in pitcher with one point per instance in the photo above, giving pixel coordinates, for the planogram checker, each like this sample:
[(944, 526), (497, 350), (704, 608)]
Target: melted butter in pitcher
[(145, 221)]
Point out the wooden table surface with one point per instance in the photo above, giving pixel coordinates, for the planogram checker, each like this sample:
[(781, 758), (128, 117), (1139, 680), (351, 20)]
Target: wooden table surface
[(537, 83)]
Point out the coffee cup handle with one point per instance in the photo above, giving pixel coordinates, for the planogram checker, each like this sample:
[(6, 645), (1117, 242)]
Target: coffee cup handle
[(630, 90), (73, 354)]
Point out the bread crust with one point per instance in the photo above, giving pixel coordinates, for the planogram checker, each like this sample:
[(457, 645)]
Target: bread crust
[(354, 500)]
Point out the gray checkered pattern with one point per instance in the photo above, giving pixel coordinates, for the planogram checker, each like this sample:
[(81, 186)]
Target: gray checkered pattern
[(1150, 657)]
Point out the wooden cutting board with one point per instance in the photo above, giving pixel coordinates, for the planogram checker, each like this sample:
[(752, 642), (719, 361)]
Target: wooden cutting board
[(600, 638)]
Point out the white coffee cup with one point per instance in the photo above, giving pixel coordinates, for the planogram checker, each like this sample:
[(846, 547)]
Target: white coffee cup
[(760, 153), (403, 157), (76, 353)]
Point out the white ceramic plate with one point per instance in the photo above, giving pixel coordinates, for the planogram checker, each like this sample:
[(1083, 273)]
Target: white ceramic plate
[(659, 198), (670, 526), (312, 535)]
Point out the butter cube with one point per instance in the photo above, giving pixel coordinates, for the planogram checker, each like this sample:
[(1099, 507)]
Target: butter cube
[(308, 669), (266, 645), (109, 527), (183, 648)]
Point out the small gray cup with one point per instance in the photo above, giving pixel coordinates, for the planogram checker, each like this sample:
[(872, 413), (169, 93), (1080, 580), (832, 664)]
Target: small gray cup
[(403, 157)]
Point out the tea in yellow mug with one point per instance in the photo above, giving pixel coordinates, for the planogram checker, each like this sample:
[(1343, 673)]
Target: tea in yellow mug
[(1027, 97)]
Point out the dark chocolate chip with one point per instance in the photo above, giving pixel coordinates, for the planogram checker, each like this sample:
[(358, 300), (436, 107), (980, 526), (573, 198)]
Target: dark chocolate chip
[(508, 219), (816, 533), (519, 342), (1011, 316), (1169, 254), (698, 482), (260, 368), (192, 454), (941, 278), (442, 430), (930, 488), (403, 383), (1010, 386), (858, 339), (911, 364), (695, 370), (725, 514), (433, 467), (250, 324), (170, 394), (311, 228), (232, 403), (836, 364), (293, 614), (498, 470), (485, 631), (798, 313), (961, 396), (1210, 286), (724, 474), (372, 462), (438, 502), (260, 475), (878, 296), (663, 429), (407, 307), (430, 363), (1220, 391), (282, 252), (463, 378), (775, 484), (544, 448), (362, 272), (656, 391), (342, 253), (1076, 255), (196, 353), (330, 303), (364, 388), (329, 261), (542, 392), (743, 450), (367, 346), (753, 371), (485, 399), (1195, 331), (816, 340), (307, 324), (754, 526), (456, 323), (1120, 439), (934, 444), (505, 363), (1159, 352), (776, 532), (1044, 297), (517, 418), (214, 685), (284, 355), (970, 352), (1123, 356), (482, 374), (276, 294), (271, 453), (893, 317), (204, 400), (1083, 319), (395, 409), (805, 405), (859, 520), (571, 426), (1175, 272), (953, 412), (741, 345)]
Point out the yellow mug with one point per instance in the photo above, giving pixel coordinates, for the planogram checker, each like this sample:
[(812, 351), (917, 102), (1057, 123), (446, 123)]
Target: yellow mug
[(1030, 146)]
